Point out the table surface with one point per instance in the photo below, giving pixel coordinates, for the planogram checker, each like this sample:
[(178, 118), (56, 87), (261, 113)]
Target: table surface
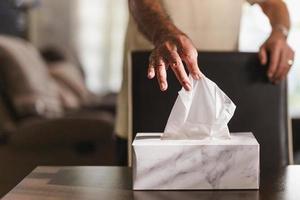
[(115, 183)]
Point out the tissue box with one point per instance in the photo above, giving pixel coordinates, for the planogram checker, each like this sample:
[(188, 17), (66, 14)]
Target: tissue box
[(195, 164)]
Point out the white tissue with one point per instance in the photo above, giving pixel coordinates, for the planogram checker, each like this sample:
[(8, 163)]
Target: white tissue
[(200, 113)]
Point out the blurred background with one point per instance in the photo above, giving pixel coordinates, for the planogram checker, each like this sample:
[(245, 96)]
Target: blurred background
[(85, 38), (95, 30)]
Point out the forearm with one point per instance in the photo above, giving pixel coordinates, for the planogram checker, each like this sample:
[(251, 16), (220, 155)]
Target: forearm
[(277, 13), (152, 19)]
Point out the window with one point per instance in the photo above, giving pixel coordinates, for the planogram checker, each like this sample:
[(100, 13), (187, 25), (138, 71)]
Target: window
[(101, 26)]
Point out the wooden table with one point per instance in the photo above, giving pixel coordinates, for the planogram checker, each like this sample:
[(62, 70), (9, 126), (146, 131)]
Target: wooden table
[(114, 183)]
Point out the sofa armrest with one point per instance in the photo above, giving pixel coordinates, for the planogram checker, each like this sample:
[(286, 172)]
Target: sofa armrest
[(69, 130)]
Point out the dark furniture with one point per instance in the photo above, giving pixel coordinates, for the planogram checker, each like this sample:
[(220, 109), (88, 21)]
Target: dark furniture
[(261, 106), (80, 137), (296, 139), (115, 183)]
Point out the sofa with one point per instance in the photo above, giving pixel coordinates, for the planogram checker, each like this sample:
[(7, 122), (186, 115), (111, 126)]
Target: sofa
[(47, 114)]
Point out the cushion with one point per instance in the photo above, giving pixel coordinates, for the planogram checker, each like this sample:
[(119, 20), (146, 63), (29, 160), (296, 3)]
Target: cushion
[(26, 80), (71, 81)]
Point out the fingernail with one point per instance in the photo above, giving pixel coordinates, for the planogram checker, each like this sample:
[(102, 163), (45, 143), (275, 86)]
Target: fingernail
[(150, 75), (195, 76), (270, 75), (188, 86), (201, 75), (163, 86)]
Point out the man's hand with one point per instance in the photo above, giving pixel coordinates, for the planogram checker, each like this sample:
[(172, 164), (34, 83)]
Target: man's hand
[(171, 51), (280, 57), (275, 50), (172, 46)]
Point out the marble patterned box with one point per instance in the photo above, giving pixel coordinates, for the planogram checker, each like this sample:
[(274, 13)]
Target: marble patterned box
[(195, 164)]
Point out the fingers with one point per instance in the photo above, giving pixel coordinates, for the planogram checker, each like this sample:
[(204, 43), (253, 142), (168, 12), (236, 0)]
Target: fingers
[(174, 61), (281, 68), (172, 52), (263, 57), (284, 66), (161, 75), (284, 73), (189, 55), (280, 54), (158, 67), (190, 59), (151, 66), (274, 61), (151, 72)]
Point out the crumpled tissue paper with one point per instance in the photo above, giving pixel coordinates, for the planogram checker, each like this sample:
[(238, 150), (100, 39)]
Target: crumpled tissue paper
[(200, 113)]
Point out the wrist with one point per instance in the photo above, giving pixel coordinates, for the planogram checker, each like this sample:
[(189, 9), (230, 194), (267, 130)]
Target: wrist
[(280, 31)]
